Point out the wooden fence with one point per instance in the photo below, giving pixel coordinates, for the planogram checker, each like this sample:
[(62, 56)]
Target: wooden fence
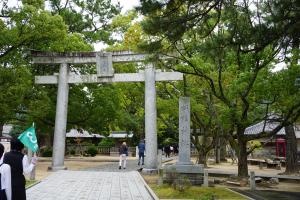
[(103, 150), (73, 149)]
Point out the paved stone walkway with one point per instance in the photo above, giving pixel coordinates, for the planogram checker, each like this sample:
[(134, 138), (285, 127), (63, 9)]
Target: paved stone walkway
[(103, 182), (91, 185)]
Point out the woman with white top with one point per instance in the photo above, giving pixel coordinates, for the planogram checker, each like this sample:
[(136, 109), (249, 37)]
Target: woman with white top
[(5, 193), (19, 166)]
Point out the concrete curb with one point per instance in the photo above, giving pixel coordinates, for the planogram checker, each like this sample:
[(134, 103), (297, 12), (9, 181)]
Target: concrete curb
[(226, 174), (30, 186), (243, 195), (152, 194)]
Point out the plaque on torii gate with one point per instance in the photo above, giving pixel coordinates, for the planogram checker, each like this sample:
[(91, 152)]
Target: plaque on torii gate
[(105, 73)]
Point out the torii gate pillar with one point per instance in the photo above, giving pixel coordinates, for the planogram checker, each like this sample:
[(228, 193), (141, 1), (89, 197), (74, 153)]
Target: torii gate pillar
[(150, 120), (60, 119)]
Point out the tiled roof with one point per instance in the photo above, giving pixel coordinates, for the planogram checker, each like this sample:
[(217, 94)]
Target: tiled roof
[(82, 134), (259, 128), (120, 134)]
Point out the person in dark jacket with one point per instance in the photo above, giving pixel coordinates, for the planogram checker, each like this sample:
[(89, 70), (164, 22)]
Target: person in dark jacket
[(141, 148), (123, 151), (175, 150), (19, 166), (167, 151)]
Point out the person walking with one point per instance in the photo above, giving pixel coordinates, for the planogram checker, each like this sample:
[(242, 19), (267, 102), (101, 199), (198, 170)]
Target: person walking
[(5, 178), (167, 151), (171, 150), (141, 148), (19, 166), (123, 151), (175, 150)]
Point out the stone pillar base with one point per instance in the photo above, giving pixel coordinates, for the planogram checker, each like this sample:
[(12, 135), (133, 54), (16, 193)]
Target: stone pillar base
[(149, 171), (194, 173), (187, 163), (57, 168)]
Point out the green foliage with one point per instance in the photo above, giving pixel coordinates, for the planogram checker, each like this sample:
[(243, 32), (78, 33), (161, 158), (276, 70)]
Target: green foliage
[(16, 131), (194, 192), (230, 57), (121, 23), (72, 152), (107, 142), (46, 152), (62, 27), (15, 86), (181, 183), (254, 144), (169, 141), (92, 150), (90, 18), (35, 3)]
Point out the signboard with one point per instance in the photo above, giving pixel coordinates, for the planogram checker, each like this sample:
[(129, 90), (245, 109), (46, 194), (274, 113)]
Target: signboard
[(104, 64)]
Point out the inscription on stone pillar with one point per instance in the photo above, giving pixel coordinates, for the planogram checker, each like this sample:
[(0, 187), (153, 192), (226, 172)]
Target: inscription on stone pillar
[(104, 64), (184, 131)]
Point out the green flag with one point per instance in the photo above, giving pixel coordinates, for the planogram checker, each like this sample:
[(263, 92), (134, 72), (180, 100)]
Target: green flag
[(28, 138)]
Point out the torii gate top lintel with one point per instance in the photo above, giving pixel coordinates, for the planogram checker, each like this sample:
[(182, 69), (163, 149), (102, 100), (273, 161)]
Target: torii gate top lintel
[(43, 57), (104, 62)]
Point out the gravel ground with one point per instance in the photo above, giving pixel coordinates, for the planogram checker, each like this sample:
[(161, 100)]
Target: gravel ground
[(131, 165)]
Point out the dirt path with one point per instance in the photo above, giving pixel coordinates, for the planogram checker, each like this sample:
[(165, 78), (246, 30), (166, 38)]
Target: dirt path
[(75, 163)]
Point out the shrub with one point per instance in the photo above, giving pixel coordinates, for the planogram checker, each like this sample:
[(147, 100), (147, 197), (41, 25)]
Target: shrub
[(47, 152), (106, 142), (72, 152), (181, 183), (92, 150), (178, 181)]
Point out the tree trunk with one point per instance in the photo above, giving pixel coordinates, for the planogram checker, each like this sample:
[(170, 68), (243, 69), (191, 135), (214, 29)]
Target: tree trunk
[(217, 151), (291, 150), (223, 150), (202, 157), (242, 159)]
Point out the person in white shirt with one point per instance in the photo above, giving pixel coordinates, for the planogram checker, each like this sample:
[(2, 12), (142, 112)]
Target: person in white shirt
[(19, 166), (5, 177)]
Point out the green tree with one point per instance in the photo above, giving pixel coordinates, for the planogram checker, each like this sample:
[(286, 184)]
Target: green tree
[(229, 46), (91, 18), (29, 26), (21, 29)]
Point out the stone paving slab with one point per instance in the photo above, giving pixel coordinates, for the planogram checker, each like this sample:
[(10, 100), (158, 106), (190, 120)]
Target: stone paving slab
[(91, 185)]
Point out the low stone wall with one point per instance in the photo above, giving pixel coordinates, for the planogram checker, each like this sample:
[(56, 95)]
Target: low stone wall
[(193, 179)]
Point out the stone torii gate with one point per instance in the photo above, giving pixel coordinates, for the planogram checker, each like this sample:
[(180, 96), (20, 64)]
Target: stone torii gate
[(105, 73)]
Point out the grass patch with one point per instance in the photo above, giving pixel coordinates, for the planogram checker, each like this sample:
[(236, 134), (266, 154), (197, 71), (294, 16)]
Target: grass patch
[(30, 183), (194, 192), (150, 179)]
